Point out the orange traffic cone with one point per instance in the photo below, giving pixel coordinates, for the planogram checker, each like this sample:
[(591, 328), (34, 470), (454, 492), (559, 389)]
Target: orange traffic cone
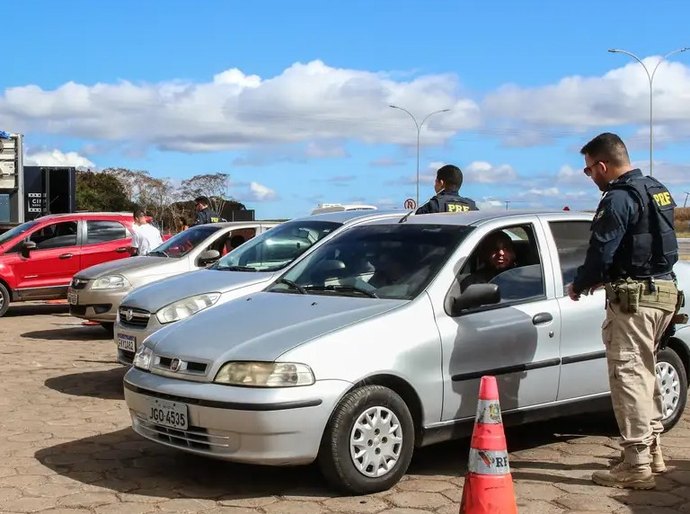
[(488, 484)]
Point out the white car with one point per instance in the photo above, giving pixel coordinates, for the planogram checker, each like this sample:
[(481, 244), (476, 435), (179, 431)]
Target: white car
[(246, 269)]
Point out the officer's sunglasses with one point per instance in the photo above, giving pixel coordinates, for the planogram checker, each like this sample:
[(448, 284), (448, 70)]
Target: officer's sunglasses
[(588, 170)]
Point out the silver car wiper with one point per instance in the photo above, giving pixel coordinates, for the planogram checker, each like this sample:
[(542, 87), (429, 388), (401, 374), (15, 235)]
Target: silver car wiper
[(343, 288), (236, 268), (159, 252), (292, 285)]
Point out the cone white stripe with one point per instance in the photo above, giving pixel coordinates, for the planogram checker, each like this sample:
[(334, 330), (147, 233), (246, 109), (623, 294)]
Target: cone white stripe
[(488, 412), (488, 462)]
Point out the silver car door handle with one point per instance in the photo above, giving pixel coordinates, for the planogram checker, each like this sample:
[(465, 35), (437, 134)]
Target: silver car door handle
[(542, 317), (65, 256)]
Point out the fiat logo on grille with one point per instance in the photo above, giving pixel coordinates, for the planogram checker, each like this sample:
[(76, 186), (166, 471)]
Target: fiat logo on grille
[(129, 314), (175, 364)]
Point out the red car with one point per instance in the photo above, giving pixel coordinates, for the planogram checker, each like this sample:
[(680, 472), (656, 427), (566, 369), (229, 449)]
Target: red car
[(38, 258)]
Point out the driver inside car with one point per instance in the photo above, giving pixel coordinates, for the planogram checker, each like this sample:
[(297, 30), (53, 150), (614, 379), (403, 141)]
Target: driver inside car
[(496, 255)]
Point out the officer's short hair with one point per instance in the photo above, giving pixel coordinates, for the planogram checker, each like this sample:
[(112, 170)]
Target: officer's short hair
[(138, 213), (451, 176), (203, 200), (609, 147)]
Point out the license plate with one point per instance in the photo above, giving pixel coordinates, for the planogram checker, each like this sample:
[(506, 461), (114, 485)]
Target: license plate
[(167, 413), (126, 342), (72, 298)]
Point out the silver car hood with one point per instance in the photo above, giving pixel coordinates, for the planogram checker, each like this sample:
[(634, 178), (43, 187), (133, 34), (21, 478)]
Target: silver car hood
[(122, 265), (263, 326), (164, 292)]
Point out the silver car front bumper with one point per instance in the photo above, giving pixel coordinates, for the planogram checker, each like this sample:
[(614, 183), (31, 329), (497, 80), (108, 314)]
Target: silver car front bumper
[(99, 305), (240, 424)]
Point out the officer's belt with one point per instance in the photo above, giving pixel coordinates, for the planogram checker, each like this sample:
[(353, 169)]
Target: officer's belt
[(631, 294)]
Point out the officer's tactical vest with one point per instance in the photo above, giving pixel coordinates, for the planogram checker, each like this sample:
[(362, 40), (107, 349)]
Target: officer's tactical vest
[(452, 203), (650, 247)]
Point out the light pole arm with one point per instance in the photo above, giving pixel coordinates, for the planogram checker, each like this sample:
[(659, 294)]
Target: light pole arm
[(409, 114), (419, 129), (618, 51)]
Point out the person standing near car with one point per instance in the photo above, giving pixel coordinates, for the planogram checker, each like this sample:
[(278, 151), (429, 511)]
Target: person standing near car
[(204, 214), (146, 237), (631, 252), (447, 185)]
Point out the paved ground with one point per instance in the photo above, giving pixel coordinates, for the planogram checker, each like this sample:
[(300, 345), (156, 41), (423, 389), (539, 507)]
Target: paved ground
[(66, 446)]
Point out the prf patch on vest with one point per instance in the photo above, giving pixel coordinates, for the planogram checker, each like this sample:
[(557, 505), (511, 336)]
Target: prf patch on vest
[(662, 199), (457, 207)]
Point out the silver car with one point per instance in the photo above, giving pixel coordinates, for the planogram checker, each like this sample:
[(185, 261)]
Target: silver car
[(246, 270), (374, 344), (95, 293)]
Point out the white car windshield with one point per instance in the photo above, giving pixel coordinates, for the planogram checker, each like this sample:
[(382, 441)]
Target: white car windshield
[(378, 261), (276, 248), (184, 242)]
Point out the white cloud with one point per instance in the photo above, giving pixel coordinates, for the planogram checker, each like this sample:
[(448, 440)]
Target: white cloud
[(482, 172), (551, 191), (260, 193), (57, 158), (568, 175), (306, 102), (576, 104), (489, 204)]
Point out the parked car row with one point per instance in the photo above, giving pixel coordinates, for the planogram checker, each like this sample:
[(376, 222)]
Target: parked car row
[(348, 338), (367, 345)]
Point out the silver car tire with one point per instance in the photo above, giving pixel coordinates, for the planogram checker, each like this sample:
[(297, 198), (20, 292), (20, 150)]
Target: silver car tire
[(369, 422), (673, 381), (4, 299)]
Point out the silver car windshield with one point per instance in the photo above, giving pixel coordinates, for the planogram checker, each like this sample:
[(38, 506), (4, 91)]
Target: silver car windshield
[(184, 242), (276, 248), (10, 234), (377, 261)]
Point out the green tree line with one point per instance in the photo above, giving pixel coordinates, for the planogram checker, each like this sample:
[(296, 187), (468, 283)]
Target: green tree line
[(122, 189)]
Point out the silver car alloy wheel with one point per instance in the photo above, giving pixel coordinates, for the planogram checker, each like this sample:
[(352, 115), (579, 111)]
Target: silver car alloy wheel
[(376, 441), (669, 383)]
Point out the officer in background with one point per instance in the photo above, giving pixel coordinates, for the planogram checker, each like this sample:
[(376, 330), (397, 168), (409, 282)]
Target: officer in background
[(447, 199), (631, 252), (204, 214)]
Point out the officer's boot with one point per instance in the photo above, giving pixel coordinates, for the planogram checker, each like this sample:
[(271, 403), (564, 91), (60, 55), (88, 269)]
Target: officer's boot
[(658, 465), (626, 476)]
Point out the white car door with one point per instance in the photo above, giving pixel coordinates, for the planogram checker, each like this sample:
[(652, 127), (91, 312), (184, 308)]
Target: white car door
[(583, 360), (517, 340)]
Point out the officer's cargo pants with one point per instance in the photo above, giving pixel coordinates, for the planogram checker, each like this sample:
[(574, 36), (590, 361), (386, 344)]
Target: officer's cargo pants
[(631, 342)]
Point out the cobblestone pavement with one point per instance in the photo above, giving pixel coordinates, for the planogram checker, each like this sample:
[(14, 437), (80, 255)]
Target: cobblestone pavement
[(66, 446)]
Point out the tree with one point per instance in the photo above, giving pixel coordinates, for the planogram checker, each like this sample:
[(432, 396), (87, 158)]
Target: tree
[(155, 196), (101, 192), (214, 186)]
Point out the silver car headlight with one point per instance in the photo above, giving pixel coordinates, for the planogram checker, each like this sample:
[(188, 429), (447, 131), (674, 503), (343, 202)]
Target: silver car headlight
[(143, 358), (265, 374), (185, 308), (110, 282)]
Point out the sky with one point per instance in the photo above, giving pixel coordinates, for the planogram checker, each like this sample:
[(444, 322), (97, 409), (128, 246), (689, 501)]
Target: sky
[(292, 98)]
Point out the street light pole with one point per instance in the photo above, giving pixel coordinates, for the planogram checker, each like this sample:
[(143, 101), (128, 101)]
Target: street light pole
[(685, 203), (650, 77), (419, 129)]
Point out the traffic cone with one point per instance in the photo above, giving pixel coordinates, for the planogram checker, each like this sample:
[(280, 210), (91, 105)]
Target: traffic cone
[(488, 484)]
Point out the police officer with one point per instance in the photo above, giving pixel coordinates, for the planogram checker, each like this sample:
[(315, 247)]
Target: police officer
[(204, 214), (447, 199), (631, 252)]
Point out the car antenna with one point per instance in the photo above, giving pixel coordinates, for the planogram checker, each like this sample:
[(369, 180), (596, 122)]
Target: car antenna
[(404, 218)]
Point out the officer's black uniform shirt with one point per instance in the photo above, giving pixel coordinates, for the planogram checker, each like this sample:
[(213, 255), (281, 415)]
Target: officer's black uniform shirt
[(618, 210), (447, 200), (206, 215)]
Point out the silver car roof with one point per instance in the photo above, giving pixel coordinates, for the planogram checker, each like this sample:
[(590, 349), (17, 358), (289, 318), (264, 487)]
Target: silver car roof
[(479, 217), (350, 216)]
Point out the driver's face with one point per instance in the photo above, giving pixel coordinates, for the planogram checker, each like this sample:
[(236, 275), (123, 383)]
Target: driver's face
[(501, 255)]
